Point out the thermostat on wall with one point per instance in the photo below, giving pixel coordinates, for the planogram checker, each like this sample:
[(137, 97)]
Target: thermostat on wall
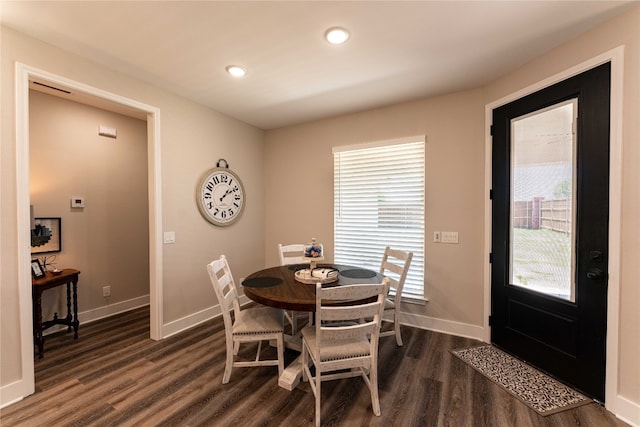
[(77, 202)]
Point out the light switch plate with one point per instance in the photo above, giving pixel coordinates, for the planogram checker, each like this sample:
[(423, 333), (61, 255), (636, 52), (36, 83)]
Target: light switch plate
[(169, 236), (449, 237)]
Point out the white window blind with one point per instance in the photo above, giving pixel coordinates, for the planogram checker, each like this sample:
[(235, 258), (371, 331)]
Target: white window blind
[(378, 202)]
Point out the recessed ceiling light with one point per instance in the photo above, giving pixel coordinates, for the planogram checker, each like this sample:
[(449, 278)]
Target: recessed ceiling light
[(236, 70), (336, 35)]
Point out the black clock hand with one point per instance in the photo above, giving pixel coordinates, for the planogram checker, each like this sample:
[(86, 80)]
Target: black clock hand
[(226, 193)]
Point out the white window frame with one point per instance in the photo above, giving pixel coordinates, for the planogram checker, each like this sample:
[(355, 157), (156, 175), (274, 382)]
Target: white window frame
[(369, 216)]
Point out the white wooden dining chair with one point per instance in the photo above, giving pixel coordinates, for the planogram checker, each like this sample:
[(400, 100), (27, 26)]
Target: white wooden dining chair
[(254, 324), (290, 255), (395, 265), (342, 343)]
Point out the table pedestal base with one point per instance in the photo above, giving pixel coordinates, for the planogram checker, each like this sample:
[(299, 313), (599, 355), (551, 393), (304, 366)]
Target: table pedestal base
[(291, 375)]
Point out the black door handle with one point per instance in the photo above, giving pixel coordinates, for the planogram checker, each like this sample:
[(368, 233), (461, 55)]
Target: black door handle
[(594, 274)]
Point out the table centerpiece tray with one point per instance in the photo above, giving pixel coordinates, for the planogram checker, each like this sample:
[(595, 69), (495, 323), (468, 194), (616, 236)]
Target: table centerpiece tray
[(317, 275)]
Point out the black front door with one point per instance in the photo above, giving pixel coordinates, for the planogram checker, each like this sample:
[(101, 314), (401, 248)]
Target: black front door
[(550, 207)]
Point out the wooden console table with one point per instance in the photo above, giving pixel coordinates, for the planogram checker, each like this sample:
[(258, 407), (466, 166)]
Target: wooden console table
[(68, 276)]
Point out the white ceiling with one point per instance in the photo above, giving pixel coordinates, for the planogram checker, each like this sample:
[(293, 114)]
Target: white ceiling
[(398, 51)]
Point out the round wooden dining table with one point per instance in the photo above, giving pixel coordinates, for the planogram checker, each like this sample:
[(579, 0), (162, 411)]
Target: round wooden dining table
[(277, 286)]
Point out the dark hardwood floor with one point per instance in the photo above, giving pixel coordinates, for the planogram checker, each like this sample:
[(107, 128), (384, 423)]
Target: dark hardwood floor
[(114, 375)]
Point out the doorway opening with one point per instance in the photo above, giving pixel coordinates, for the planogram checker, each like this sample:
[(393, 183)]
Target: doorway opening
[(107, 101)]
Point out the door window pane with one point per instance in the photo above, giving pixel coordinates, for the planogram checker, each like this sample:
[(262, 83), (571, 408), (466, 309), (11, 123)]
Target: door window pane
[(543, 185)]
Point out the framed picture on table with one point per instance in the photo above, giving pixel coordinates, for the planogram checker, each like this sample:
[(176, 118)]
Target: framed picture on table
[(46, 237), (36, 269)]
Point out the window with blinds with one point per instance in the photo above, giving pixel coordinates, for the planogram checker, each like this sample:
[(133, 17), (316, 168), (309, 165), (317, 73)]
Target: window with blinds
[(378, 202)]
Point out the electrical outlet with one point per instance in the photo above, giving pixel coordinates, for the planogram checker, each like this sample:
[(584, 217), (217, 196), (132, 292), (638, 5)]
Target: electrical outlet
[(436, 236), (106, 291)]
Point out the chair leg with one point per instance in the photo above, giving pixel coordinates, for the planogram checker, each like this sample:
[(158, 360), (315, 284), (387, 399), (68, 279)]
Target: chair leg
[(228, 363), (317, 396), (294, 323), (373, 382), (396, 326), (305, 363)]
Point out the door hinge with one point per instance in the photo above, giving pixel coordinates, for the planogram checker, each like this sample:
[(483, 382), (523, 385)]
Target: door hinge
[(490, 321), (490, 257), (491, 130), (491, 194)]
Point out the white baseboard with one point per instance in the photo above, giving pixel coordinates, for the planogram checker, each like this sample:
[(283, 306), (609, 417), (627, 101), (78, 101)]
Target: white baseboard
[(414, 320), (12, 393), (112, 309), (105, 311), (624, 409), (168, 329), (440, 325), (177, 326)]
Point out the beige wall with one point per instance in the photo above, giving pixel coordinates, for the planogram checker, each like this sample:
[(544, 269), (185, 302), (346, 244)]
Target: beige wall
[(192, 139), (298, 208), (108, 240), (623, 30)]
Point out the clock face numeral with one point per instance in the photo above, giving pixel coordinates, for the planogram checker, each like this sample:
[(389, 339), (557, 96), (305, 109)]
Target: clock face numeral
[(220, 196)]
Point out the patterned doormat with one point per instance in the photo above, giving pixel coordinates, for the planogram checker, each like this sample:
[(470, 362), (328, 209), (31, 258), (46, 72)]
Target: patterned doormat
[(540, 392)]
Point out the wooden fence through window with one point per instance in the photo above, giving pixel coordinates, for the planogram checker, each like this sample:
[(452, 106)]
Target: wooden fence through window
[(536, 214)]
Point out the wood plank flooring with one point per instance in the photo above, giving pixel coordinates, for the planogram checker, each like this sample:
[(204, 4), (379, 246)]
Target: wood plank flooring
[(114, 375)]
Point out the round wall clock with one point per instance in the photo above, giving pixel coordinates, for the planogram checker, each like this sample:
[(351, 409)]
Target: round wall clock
[(220, 195)]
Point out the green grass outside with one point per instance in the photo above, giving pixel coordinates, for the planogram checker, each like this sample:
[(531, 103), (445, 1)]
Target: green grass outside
[(542, 261)]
